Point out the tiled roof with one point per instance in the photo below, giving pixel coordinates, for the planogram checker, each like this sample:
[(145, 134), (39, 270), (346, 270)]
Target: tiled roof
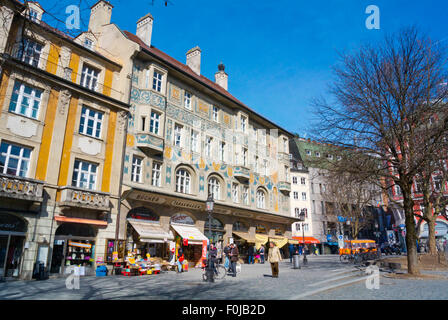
[(165, 57)]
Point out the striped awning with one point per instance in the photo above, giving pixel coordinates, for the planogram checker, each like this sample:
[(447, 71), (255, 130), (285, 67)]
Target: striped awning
[(150, 231)]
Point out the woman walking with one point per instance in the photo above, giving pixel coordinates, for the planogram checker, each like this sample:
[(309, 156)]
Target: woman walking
[(274, 257)]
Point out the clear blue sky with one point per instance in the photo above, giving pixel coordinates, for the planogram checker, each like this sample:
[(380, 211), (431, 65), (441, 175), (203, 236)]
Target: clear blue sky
[(278, 53)]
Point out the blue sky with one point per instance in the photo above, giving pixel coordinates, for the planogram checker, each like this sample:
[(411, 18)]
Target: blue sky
[(278, 53)]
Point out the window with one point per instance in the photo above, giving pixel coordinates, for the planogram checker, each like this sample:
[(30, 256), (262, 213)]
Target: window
[(245, 157), (187, 100), (147, 73), (437, 183), (156, 174), (397, 190), (208, 146), (304, 211), (235, 197), (154, 122), (256, 164), (297, 212), (222, 151), (322, 207), (33, 15), (294, 180), (157, 81), (84, 175), (29, 52), (330, 156), (90, 123), (286, 173), (194, 141), (243, 123), (183, 181), (298, 226), (214, 188), (136, 172), (308, 152), (265, 162), (305, 227), (303, 196), (302, 180), (88, 44), (14, 159), (317, 154), (143, 123), (296, 195), (215, 113), (312, 187), (89, 77), (25, 100), (260, 199), (245, 195), (177, 135)]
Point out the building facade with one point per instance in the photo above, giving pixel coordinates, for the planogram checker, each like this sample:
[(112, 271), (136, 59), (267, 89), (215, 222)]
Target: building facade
[(62, 133)]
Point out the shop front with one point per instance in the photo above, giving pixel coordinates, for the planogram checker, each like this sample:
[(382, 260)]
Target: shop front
[(12, 239), (189, 238), (74, 247)]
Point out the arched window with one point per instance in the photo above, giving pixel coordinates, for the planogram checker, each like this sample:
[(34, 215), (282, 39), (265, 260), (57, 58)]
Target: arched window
[(142, 213), (214, 188), (261, 203), (217, 230), (183, 181)]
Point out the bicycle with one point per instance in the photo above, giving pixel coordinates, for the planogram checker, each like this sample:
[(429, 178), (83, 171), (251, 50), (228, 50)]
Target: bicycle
[(219, 271), (354, 258)]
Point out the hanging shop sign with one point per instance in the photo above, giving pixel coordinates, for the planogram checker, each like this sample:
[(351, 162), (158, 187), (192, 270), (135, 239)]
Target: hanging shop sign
[(185, 241)]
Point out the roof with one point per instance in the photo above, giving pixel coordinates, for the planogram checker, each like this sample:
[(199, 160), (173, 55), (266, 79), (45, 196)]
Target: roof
[(200, 78)]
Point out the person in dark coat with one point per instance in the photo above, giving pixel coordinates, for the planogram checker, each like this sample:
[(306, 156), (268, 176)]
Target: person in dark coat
[(250, 254), (213, 252), (233, 258), (291, 251)]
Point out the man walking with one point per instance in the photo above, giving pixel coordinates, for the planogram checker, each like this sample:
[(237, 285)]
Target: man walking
[(291, 251), (213, 254), (226, 256), (261, 252), (233, 258), (274, 257), (250, 254)]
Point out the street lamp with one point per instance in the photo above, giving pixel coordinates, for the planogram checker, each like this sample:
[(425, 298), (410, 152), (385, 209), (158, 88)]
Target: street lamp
[(302, 218), (209, 208)]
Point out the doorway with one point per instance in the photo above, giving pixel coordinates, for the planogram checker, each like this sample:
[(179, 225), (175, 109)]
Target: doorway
[(12, 240)]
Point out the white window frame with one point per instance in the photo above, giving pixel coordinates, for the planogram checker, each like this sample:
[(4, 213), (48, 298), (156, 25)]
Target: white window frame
[(22, 161), (294, 180), (187, 100), (296, 195), (178, 135), (235, 195), (243, 123), (35, 96), (77, 170), (89, 77), (261, 199), (30, 52), (154, 122), (97, 117), (88, 43), (157, 79), (303, 196), (183, 181), (215, 114), (137, 169), (156, 174), (208, 146), (245, 157), (303, 180), (222, 151), (194, 140), (214, 188), (246, 195)]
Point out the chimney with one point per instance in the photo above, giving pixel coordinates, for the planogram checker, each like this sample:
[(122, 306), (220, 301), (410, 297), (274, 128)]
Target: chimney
[(100, 14), (144, 29), (221, 77), (194, 59)]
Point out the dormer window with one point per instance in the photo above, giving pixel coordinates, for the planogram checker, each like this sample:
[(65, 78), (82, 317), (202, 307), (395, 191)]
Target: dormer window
[(88, 44), (33, 15)]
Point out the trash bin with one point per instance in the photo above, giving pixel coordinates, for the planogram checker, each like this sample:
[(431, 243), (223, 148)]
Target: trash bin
[(296, 261)]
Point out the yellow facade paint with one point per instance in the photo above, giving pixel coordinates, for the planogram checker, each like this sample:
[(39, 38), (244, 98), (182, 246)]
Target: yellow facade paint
[(53, 58), (108, 77), (3, 87), (44, 152), (105, 185), (68, 141), (74, 64)]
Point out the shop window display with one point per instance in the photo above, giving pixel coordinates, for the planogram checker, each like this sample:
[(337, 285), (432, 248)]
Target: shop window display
[(12, 239)]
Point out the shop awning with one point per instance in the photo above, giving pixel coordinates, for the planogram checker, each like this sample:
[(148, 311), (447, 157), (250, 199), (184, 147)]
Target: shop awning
[(307, 240), (150, 231), (191, 233), (260, 239), (292, 241), (245, 235), (79, 220), (279, 241)]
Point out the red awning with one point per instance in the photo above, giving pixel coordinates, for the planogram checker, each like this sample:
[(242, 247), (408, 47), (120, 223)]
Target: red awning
[(79, 220), (307, 240)]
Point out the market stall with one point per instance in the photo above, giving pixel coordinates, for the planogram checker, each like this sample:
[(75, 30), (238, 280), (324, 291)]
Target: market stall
[(192, 242), (243, 241)]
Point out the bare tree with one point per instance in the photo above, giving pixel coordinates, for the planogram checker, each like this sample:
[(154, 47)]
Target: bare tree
[(377, 93)]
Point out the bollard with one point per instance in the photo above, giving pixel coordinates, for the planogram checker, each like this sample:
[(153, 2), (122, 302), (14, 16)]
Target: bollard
[(296, 261)]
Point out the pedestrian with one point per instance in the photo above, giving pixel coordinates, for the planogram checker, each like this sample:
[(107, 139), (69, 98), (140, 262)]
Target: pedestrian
[(213, 254), (261, 252), (291, 252), (226, 257), (180, 261), (250, 254), (274, 257), (300, 249), (233, 258)]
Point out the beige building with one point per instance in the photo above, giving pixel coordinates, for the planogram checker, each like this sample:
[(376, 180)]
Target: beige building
[(188, 137), (62, 133)]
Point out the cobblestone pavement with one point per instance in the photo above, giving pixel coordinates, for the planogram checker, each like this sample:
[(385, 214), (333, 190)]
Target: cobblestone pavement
[(315, 281)]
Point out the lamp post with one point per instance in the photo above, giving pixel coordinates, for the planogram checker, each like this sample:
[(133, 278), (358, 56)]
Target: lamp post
[(302, 218), (209, 207)]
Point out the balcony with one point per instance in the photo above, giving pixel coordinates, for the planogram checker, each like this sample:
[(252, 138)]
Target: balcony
[(241, 173), (88, 199), (284, 186), (16, 187), (149, 143), (282, 156)]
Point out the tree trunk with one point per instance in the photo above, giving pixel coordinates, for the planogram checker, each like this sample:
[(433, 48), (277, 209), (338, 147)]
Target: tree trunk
[(432, 248), (411, 244)]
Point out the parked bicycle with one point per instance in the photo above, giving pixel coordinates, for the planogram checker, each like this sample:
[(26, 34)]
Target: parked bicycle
[(357, 251), (219, 271)]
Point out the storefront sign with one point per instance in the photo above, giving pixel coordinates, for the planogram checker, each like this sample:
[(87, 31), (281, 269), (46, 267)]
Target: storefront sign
[(184, 204), (146, 197)]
